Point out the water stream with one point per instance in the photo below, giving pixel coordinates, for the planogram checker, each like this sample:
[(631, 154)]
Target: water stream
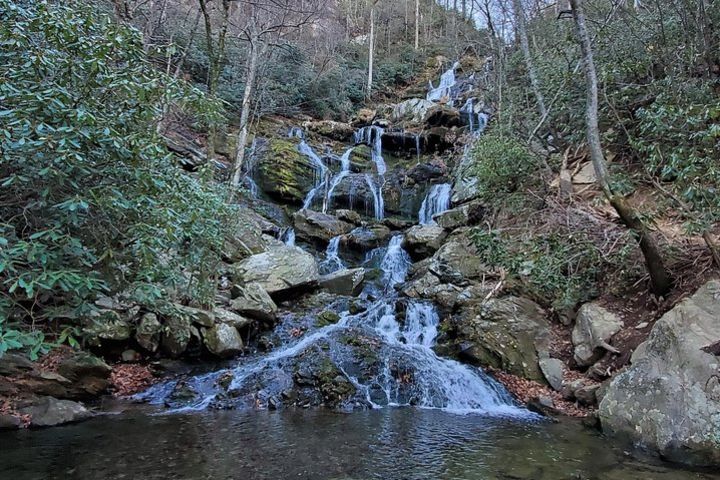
[(436, 201)]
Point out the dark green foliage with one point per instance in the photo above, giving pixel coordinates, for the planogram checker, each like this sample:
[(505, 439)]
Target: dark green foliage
[(502, 165), (562, 269), (91, 200)]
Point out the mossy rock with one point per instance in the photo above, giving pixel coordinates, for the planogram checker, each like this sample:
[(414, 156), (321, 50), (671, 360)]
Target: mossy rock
[(284, 173), (327, 318)]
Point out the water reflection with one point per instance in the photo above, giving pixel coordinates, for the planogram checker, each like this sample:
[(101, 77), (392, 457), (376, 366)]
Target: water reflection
[(388, 444)]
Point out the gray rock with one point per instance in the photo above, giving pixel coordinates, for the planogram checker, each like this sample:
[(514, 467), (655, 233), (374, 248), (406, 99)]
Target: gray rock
[(148, 332), (279, 270), (231, 318), (510, 333), (348, 216), (222, 340), (412, 110), (457, 261), (367, 238), (669, 399), (9, 422), (14, 364), (106, 325), (421, 241), (176, 334), (198, 316), (344, 282), (49, 412), (253, 301), (89, 374), (318, 227), (465, 215), (594, 327), (245, 236), (587, 394), (552, 370)]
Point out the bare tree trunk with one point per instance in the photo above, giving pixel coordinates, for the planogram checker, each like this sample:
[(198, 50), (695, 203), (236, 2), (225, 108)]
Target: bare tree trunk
[(521, 26), (659, 277), (371, 51), (417, 24), (256, 49)]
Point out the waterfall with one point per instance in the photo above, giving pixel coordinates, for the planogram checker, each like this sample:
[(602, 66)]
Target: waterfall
[(407, 371), (332, 262), (251, 186), (447, 81), (344, 172), (436, 201), (296, 132), (396, 262), (378, 200), (321, 172), (287, 236), (372, 136), (482, 119), (417, 146)]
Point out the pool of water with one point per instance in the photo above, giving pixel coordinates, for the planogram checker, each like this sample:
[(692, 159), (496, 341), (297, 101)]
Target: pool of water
[(398, 444)]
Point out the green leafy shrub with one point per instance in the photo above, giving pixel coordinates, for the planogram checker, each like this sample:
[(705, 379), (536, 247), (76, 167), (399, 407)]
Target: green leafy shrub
[(91, 199), (561, 270), (501, 165)]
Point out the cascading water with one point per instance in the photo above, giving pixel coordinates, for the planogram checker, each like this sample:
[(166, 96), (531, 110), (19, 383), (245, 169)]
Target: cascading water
[(321, 172), (407, 372), (332, 262), (372, 136), (287, 236), (378, 201), (344, 172), (443, 90), (436, 201)]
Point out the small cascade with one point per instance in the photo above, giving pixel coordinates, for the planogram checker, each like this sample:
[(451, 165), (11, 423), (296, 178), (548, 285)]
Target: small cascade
[(332, 262), (396, 262), (417, 146), (287, 236), (251, 186), (335, 181), (482, 121), (447, 81), (321, 173), (436, 201), (372, 136), (296, 132), (379, 202)]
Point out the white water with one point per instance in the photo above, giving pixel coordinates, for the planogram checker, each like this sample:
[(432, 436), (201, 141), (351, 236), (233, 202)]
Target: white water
[(409, 373), (436, 201), (378, 201), (321, 173), (287, 236), (372, 136), (332, 262), (447, 81), (344, 172)]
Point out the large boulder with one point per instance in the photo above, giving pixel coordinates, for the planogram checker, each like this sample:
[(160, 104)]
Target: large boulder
[(49, 412), (443, 116), (284, 173), (509, 333), (411, 111), (245, 235), (594, 327), (367, 238), (253, 301), (421, 241), (342, 132), (89, 374), (318, 227), (176, 334), (280, 270), (457, 261), (465, 215), (148, 332), (344, 282), (222, 340), (669, 398)]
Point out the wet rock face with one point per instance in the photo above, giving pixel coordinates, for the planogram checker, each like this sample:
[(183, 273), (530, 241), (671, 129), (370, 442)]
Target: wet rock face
[(344, 282), (280, 270), (364, 239), (669, 398)]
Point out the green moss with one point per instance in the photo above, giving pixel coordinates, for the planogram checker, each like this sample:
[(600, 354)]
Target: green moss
[(326, 318)]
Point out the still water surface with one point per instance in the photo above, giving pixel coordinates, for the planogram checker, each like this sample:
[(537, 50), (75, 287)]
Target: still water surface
[(382, 444)]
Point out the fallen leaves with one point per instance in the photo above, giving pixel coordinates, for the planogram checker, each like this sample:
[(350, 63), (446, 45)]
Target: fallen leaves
[(128, 379)]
